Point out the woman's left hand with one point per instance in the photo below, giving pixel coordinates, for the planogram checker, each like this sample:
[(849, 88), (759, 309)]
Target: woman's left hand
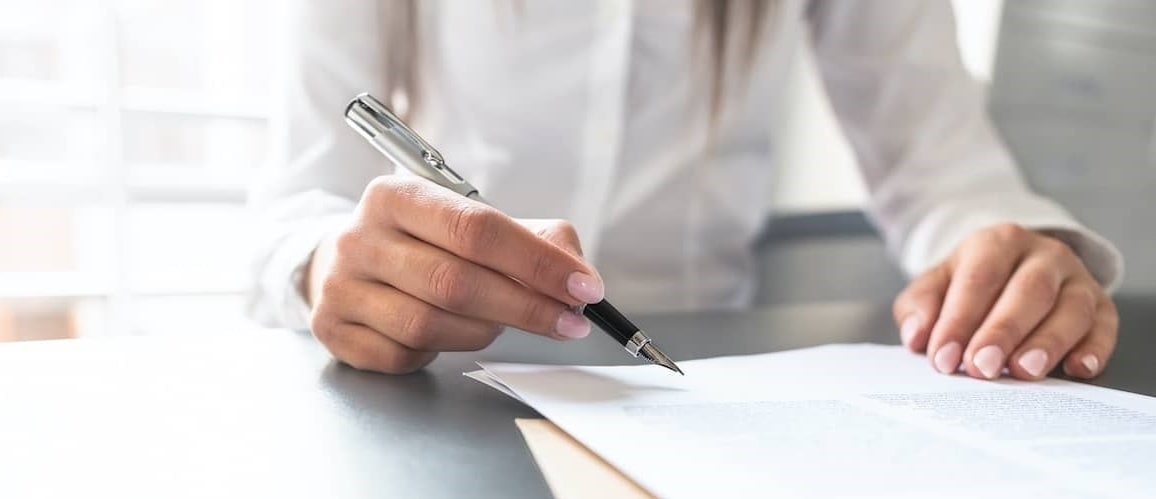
[(1009, 297)]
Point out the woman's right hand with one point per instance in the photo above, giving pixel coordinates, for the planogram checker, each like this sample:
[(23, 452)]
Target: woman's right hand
[(423, 270)]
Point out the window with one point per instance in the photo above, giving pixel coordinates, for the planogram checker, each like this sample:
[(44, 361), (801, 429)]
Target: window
[(128, 132)]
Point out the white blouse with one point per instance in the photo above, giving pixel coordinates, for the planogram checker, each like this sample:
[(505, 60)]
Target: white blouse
[(597, 112)]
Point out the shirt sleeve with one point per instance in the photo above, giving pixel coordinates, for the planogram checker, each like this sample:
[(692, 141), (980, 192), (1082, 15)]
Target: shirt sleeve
[(934, 167), (319, 166)]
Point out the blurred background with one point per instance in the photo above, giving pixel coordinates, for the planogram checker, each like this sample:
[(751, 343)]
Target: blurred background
[(129, 130)]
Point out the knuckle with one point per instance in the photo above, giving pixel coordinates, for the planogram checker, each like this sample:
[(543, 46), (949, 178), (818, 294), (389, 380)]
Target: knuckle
[(566, 231), (492, 334), (336, 337), (348, 243), (380, 183), (1040, 287), (334, 290), (380, 190), (473, 229), (356, 359), (418, 328), (909, 301), (562, 233), (487, 337), (981, 277), (361, 360), (1055, 249), (899, 306), (1006, 330), (1009, 232), (1051, 342), (385, 187), (393, 360), (914, 295), (537, 316), (952, 327), (566, 228), (542, 270), (388, 190), (450, 285), (400, 361), (324, 325), (1082, 299)]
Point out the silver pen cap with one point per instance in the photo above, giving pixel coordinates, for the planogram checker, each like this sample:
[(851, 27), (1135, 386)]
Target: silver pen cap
[(398, 142)]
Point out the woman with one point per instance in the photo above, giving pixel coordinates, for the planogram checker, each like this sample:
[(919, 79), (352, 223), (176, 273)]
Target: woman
[(649, 126)]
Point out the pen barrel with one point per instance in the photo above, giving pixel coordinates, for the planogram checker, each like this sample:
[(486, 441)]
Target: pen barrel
[(610, 320)]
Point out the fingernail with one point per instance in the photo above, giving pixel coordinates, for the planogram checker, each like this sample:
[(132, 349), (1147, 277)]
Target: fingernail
[(989, 361), (585, 287), (571, 325), (1034, 362), (947, 358), (1091, 363), (908, 330)]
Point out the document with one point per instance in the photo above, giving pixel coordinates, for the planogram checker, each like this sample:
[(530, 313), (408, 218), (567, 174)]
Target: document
[(859, 421)]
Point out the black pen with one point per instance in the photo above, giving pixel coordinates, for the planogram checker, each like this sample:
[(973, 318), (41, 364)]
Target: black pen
[(398, 142)]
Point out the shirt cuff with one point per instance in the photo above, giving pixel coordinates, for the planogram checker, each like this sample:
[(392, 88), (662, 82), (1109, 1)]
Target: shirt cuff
[(278, 301)]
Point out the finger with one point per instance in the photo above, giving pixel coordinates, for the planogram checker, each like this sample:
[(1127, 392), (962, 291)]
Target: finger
[(366, 349), (1090, 357), (1068, 323), (481, 234), (1024, 303), (978, 274), (917, 307), (560, 232), (437, 277), (413, 323)]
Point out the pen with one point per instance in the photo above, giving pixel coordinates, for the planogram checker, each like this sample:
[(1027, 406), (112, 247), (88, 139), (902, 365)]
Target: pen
[(398, 142)]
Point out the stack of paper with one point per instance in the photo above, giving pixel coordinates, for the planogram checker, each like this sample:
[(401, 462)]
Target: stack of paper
[(844, 421)]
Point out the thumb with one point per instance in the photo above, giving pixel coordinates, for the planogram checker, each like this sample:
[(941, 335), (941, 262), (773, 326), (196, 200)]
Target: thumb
[(559, 232)]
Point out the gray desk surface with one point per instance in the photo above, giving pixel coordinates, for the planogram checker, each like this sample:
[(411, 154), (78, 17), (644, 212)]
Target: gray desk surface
[(269, 414)]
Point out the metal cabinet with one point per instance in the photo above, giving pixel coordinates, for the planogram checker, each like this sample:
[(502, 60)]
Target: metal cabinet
[(1073, 93)]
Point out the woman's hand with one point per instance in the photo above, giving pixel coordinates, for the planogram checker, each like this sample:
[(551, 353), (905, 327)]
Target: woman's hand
[(423, 270), (1014, 298)]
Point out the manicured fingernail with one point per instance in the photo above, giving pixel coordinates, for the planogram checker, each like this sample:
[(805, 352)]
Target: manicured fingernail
[(1091, 363), (585, 288), (908, 329), (571, 325), (989, 361), (947, 358), (1034, 362)]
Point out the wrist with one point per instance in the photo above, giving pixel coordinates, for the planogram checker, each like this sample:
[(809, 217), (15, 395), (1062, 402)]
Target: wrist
[(318, 266)]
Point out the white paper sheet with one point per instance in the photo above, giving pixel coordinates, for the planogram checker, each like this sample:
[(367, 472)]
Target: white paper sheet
[(864, 421)]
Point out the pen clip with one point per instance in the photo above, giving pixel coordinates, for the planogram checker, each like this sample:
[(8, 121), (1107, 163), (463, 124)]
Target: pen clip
[(390, 135)]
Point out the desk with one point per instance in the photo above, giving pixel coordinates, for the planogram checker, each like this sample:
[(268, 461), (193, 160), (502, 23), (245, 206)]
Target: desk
[(269, 414)]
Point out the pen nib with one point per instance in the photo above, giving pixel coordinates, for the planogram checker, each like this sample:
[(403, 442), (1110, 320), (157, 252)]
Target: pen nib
[(654, 355)]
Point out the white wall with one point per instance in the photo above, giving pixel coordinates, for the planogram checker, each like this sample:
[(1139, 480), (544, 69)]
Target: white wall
[(817, 169)]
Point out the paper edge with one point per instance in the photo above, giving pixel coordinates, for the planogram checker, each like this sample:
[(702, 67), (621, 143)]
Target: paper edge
[(613, 482), (484, 377)]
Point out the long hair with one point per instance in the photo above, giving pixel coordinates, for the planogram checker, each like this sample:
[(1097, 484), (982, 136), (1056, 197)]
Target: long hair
[(727, 33)]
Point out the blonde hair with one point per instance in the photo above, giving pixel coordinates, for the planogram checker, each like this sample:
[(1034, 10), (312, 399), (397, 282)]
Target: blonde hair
[(729, 29)]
